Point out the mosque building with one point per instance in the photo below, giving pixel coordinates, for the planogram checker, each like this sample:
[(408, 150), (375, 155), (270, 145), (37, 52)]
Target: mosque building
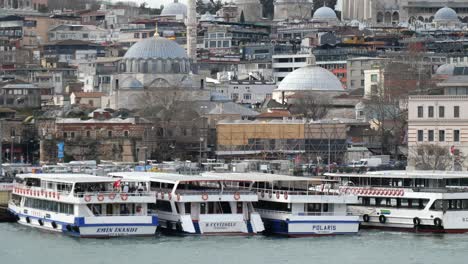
[(404, 11), (308, 80)]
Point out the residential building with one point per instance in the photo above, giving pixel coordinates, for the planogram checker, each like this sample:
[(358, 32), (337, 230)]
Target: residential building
[(438, 120), (355, 71)]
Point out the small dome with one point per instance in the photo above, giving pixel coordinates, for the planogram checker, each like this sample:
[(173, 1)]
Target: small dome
[(174, 9), (131, 83), (324, 13), (445, 69), (156, 48), (446, 14), (311, 78)]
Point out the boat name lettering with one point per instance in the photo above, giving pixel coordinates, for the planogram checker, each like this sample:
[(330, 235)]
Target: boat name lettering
[(220, 225), (117, 230), (324, 227)]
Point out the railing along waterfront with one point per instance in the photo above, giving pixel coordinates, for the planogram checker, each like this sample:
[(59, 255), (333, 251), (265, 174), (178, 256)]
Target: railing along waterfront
[(266, 211)]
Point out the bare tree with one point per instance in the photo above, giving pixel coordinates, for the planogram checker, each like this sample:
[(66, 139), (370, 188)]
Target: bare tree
[(311, 107), (431, 157)]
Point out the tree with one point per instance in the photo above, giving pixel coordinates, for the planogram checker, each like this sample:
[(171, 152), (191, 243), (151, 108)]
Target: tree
[(432, 157), (311, 107), (242, 18), (200, 7)]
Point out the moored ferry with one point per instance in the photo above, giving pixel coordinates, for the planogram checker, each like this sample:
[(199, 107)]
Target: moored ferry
[(83, 205), (300, 206), (426, 201), (201, 205)]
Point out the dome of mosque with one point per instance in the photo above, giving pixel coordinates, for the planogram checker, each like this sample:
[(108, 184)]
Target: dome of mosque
[(311, 78), (174, 9), (156, 48), (446, 14)]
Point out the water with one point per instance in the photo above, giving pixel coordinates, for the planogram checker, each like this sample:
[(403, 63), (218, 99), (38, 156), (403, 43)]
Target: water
[(20, 244)]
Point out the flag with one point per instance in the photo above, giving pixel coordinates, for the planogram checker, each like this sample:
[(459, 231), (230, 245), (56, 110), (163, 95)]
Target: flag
[(117, 183), (452, 150)]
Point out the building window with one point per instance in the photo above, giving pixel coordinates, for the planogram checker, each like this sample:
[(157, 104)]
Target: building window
[(109, 134), (65, 135), (247, 96), (441, 135), (430, 135), (125, 133), (456, 135), (88, 134), (430, 111), (456, 111), (420, 111), (420, 135), (373, 77), (72, 134), (441, 112)]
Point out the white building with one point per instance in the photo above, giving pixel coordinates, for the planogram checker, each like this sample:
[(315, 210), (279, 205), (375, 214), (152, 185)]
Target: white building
[(78, 32), (283, 64), (373, 82), (247, 92), (441, 120)]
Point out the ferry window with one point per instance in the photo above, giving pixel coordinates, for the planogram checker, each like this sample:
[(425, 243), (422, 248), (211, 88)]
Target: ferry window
[(313, 207), (273, 206), (188, 208), (437, 205), (202, 208), (430, 111), (162, 206), (239, 208)]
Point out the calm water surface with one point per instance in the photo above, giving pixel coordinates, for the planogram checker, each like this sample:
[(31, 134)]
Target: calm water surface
[(19, 244)]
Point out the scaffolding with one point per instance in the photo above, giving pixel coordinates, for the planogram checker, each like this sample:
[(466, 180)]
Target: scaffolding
[(324, 141)]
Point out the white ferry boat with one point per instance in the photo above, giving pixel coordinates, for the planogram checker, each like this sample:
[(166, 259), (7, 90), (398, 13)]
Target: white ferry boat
[(201, 205), (412, 201), (83, 205), (300, 206)]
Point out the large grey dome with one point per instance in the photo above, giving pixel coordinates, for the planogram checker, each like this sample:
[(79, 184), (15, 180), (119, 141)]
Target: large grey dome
[(445, 69), (446, 14), (324, 13), (311, 78), (156, 48), (174, 9)]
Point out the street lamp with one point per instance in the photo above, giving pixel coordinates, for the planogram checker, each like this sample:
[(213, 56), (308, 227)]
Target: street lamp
[(200, 157), (12, 148)]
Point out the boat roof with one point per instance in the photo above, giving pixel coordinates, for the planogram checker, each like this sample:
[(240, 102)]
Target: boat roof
[(265, 177), (67, 177), (171, 177), (435, 175)]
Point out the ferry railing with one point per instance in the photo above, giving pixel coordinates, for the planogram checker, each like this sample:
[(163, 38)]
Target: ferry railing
[(303, 192), (267, 211), (207, 191), (107, 193)]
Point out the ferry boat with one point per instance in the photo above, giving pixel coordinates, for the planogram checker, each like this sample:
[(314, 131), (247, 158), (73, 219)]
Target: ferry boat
[(201, 205), (426, 201), (300, 206), (83, 205)]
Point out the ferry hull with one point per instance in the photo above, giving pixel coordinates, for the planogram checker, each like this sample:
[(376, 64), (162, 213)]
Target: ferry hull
[(311, 227), (102, 228)]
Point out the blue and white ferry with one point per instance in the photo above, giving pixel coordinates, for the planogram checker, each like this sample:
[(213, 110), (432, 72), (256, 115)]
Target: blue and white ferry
[(300, 206), (201, 205), (83, 205)]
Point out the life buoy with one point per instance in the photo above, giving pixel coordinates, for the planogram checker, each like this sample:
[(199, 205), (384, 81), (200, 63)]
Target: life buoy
[(87, 198), (53, 195), (178, 197), (416, 221), (169, 196), (112, 196), (382, 219), (124, 196), (204, 196), (277, 195), (162, 195), (263, 194), (58, 196), (237, 196), (365, 218), (285, 195), (270, 194), (401, 193), (100, 197), (438, 222)]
